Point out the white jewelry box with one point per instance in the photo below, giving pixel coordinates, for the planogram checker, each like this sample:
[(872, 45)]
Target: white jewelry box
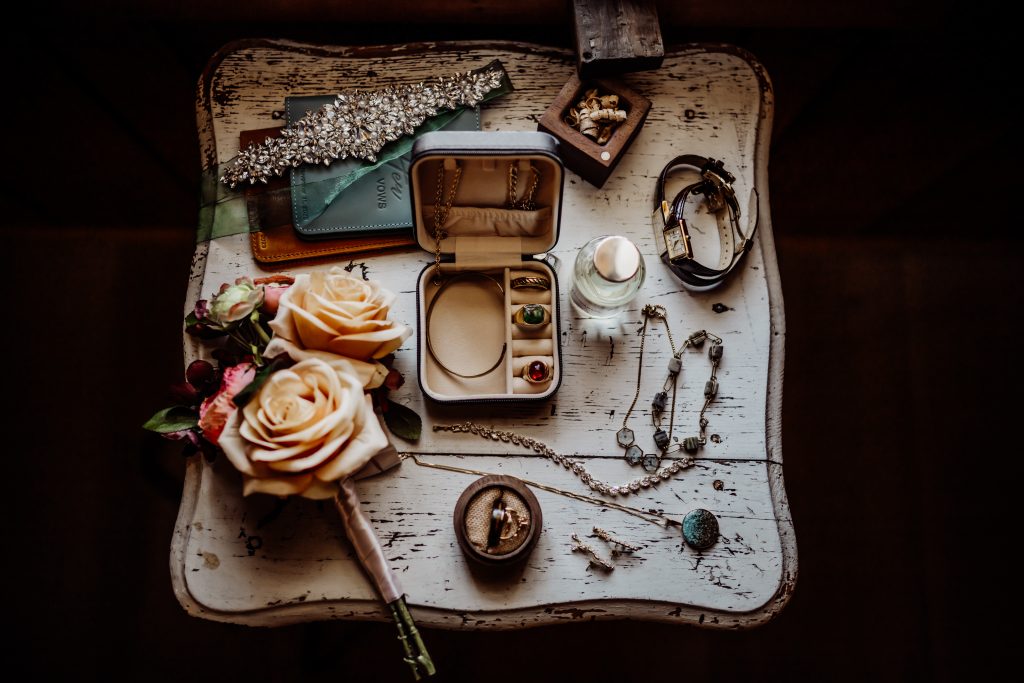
[(488, 236)]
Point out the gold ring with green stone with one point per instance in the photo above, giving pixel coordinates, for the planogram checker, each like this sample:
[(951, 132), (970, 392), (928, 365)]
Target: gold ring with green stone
[(531, 316)]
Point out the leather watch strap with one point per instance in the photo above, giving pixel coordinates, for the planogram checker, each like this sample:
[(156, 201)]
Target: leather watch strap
[(716, 186)]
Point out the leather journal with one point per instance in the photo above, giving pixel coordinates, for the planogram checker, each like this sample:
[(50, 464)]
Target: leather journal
[(272, 235), (347, 199)]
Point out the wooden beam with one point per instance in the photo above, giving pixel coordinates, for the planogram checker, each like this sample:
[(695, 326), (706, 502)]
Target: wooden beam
[(616, 36)]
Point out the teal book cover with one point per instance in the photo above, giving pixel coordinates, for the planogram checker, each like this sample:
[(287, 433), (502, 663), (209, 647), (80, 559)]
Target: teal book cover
[(353, 197)]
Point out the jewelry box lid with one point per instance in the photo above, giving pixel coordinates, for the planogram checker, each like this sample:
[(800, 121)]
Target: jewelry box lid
[(507, 198)]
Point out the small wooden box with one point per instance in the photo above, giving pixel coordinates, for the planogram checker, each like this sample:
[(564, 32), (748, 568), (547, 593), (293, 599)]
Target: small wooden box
[(594, 162)]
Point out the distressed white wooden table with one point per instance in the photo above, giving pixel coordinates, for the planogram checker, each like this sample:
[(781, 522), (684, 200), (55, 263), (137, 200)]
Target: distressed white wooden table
[(255, 562)]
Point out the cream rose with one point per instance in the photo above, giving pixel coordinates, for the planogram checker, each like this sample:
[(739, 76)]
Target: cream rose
[(307, 427), (336, 313)]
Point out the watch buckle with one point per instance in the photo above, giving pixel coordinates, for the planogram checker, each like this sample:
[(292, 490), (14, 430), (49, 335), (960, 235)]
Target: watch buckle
[(717, 184)]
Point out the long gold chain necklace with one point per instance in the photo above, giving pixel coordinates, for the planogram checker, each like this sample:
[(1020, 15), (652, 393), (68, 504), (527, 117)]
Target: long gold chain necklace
[(625, 437), (441, 209), (652, 516)]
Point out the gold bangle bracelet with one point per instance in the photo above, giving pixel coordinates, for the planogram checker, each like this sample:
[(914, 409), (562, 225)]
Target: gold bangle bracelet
[(430, 313)]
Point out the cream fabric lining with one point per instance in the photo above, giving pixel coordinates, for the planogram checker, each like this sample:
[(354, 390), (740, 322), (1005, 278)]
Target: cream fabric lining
[(483, 253), (470, 324), (490, 220), (484, 189)]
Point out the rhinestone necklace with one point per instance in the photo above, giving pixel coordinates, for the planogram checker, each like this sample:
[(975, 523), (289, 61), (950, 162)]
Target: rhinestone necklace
[(574, 466), (360, 122)]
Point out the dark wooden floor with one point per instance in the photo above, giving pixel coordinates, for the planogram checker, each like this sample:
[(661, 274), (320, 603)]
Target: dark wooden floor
[(894, 217)]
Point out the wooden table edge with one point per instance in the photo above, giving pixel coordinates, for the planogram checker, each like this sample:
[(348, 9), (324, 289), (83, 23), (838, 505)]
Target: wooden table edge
[(532, 616)]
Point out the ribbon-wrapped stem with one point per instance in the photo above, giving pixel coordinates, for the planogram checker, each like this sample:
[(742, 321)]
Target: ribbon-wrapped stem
[(371, 556)]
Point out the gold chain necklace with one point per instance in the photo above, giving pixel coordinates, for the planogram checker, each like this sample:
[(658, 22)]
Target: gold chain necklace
[(651, 515), (625, 437), (441, 210), (526, 203)]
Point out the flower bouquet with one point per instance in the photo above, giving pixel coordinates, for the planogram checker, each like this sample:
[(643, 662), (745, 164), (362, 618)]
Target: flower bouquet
[(303, 369)]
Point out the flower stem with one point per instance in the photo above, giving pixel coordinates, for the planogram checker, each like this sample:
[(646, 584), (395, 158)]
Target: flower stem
[(262, 333), (416, 655), (246, 344), (371, 556)]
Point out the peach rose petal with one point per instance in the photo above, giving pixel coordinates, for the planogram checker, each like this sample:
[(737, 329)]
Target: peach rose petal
[(323, 417), (367, 443), (293, 445), (326, 451), (375, 343), (314, 333), (283, 450), (304, 431), (234, 446), (300, 416), (277, 486), (338, 313), (371, 374)]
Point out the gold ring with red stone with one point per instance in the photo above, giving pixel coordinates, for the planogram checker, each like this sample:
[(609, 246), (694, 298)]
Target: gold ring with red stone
[(536, 372)]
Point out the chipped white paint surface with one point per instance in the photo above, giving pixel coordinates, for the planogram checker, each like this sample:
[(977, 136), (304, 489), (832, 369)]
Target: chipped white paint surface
[(247, 561)]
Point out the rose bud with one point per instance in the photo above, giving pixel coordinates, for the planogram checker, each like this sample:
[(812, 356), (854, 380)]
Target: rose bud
[(235, 302), (200, 373), (394, 380), (273, 288)]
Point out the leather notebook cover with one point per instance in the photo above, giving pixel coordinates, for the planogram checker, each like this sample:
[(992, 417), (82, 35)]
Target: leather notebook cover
[(272, 235), (375, 204)]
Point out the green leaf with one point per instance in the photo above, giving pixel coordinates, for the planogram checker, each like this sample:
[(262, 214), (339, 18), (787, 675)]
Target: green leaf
[(262, 375), (173, 419), (403, 421)]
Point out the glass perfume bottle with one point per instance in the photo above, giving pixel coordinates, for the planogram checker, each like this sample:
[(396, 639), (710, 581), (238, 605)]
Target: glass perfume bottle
[(609, 272)]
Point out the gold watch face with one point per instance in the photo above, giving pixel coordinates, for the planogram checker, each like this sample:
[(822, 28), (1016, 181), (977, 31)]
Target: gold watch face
[(674, 244)]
